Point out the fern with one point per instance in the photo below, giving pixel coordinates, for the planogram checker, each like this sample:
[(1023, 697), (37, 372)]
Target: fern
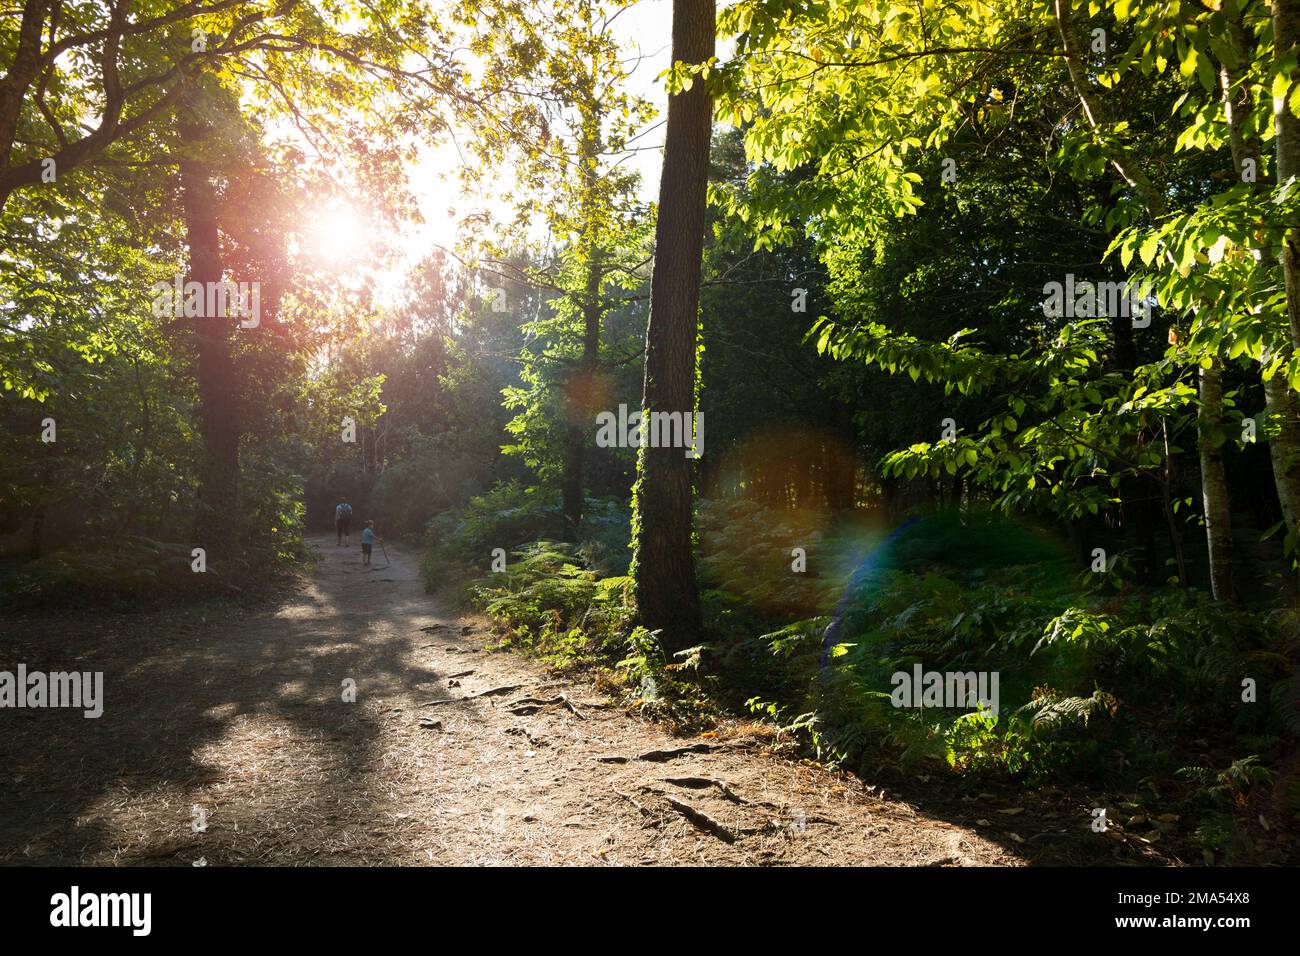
[(1050, 712)]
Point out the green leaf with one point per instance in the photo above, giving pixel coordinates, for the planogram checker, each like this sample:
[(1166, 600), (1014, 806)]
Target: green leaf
[(1149, 246)]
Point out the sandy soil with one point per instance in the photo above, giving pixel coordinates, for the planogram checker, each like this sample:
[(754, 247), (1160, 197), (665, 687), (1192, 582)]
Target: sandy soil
[(241, 723)]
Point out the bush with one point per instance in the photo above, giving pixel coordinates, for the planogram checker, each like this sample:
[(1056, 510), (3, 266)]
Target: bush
[(462, 541), (553, 604)]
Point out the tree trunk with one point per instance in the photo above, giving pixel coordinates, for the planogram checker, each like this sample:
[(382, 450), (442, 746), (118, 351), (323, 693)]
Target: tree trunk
[(574, 448), (217, 519), (579, 391), (1167, 487), (1214, 485), (36, 541), (23, 69), (663, 564), (1284, 448), (841, 471)]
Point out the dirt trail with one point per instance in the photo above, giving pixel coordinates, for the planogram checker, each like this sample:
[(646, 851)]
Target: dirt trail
[(242, 724)]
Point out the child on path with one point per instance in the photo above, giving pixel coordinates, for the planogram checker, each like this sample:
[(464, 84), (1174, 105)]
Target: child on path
[(367, 539)]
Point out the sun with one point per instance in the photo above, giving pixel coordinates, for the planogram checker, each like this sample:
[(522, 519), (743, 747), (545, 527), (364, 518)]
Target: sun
[(338, 234)]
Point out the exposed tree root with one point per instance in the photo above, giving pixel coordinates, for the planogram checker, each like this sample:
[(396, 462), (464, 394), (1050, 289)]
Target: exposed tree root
[(527, 706), (702, 820), (703, 783), (659, 756), (491, 692)]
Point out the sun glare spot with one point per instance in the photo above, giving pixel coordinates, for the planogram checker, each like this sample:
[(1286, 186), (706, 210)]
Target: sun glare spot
[(338, 235)]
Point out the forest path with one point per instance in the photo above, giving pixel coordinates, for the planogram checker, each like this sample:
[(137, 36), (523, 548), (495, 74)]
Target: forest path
[(242, 724)]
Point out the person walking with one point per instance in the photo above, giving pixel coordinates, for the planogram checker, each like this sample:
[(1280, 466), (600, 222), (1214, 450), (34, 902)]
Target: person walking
[(343, 521)]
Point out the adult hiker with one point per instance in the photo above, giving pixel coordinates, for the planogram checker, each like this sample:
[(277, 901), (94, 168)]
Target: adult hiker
[(343, 520)]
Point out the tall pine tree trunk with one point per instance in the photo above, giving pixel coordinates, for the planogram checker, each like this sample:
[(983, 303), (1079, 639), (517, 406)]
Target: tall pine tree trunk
[(217, 521), (663, 563)]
